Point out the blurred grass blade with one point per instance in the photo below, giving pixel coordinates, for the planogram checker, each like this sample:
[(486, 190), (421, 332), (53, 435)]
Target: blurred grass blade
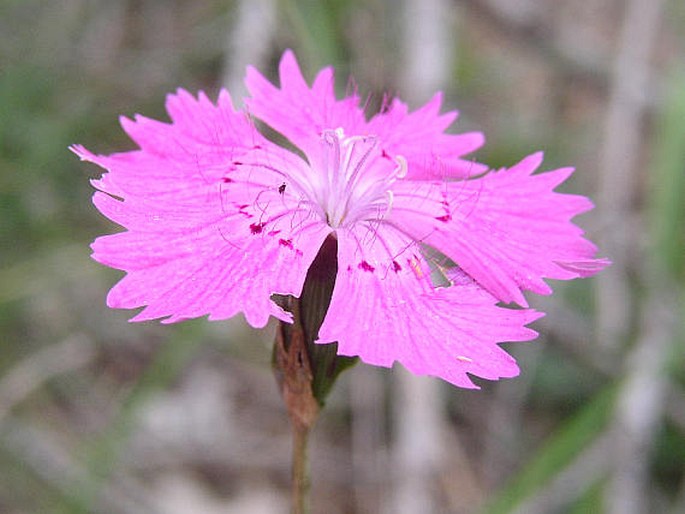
[(591, 501), (559, 451), (667, 175), (316, 26), (666, 207)]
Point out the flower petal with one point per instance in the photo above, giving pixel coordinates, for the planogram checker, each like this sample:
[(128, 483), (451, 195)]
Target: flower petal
[(198, 126), (419, 137), (384, 309), (299, 112), (211, 227), (188, 274), (178, 159), (508, 229)]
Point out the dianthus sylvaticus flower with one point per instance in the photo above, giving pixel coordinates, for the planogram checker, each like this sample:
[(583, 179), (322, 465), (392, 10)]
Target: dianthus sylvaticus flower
[(221, 216)]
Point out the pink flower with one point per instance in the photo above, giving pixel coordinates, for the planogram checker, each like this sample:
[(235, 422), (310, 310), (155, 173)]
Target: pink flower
[(219, 218)]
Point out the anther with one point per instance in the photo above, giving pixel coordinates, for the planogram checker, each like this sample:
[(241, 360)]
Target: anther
[(402, 167)]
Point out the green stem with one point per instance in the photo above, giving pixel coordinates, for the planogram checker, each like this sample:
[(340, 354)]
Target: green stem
[(300, 472)]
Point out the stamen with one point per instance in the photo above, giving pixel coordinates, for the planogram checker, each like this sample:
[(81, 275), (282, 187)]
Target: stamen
[(391, 198), (352, 191), (352, 180), (402, 167), (416, 267), (332, 138)]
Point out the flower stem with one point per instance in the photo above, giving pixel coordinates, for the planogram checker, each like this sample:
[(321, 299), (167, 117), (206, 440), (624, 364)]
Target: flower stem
[(300, 471), (306, 371), (294, 376)]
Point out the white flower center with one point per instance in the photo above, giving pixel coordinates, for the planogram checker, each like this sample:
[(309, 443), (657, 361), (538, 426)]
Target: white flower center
[(354, 180)]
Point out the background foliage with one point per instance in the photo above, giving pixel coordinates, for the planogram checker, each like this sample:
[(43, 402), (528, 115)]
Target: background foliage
[(97, 415)]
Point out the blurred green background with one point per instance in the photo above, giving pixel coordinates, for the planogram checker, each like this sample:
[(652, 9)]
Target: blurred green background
[(99, 415)]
